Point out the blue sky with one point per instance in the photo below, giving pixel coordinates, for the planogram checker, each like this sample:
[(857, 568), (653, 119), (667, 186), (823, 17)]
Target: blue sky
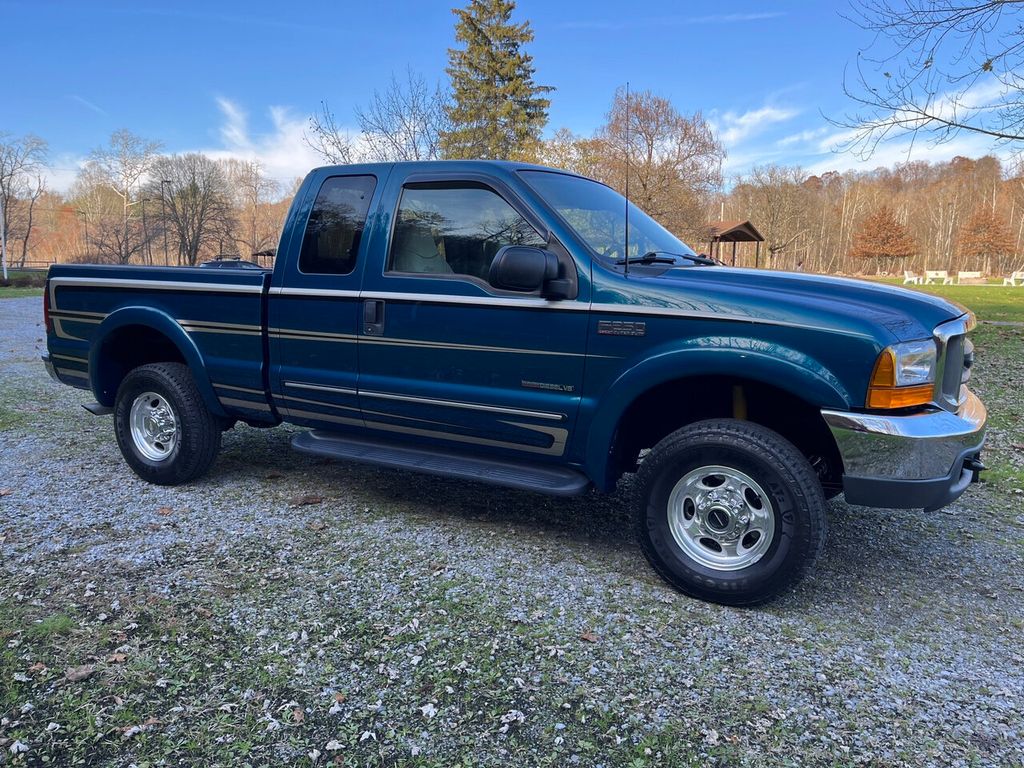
[(241, 78)]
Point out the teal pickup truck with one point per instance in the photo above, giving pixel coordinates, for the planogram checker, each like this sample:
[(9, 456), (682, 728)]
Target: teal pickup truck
[(511, 324)]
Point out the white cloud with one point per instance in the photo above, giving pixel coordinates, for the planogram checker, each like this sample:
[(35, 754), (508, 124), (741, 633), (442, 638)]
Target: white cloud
[(282, 151), (734, 128)]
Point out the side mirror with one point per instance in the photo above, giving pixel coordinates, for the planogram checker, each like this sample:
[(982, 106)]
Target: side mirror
[(523, 268)]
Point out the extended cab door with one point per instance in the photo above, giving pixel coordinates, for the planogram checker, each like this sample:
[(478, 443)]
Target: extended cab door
[(314, 308), (446, 357)]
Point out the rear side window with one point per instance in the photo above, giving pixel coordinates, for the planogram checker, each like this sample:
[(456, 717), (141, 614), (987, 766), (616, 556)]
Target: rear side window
[(335, 225), (455, 228)]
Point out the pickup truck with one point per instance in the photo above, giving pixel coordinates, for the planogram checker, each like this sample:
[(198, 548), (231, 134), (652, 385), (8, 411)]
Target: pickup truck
[(513, 324)]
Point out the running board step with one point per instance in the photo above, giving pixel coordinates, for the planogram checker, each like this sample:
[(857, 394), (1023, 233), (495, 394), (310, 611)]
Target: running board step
[(542, 478)]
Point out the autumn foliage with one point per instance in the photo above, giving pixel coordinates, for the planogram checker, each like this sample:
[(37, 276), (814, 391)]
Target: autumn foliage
[(883, 239), (985, 237)]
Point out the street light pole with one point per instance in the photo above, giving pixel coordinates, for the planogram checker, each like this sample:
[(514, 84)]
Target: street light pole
[(3, 240), (163, 216)]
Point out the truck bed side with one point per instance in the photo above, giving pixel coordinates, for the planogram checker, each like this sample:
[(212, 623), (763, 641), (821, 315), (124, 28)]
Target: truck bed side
[(106, 320)]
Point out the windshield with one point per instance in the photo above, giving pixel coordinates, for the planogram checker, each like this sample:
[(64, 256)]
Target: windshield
[(598, 215)]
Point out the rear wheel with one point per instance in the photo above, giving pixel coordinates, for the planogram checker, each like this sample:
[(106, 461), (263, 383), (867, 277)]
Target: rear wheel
[(163, 428), (730, 512)]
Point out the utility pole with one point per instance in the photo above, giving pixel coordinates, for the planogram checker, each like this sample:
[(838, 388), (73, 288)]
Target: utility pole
[(3, 240), (163, 216)]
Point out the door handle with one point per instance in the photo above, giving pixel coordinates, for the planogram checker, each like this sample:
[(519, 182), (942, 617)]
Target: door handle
[(373, 317)]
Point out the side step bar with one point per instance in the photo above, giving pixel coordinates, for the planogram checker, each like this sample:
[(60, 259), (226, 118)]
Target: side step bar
[(542, 478), (98, 410)]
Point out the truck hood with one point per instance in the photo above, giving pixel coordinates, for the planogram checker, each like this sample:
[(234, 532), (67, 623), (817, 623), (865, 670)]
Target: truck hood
[(842, 304)]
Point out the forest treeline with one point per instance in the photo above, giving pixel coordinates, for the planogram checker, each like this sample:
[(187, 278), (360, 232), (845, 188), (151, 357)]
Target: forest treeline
[(133, 203)]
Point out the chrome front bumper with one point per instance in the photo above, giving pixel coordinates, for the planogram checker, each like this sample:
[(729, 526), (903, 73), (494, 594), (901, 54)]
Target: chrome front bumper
[(923, 460)]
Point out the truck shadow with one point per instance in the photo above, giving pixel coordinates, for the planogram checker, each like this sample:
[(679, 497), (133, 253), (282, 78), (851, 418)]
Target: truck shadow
[(870, 553)]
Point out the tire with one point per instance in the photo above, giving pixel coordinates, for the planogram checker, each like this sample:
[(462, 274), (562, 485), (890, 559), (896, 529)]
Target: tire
[(738, 486), (164, 429)]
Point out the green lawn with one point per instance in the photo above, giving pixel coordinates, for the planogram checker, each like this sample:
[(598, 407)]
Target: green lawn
[(13, 292), (988, 302)]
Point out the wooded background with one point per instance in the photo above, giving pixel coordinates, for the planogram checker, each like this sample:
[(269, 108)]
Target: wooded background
[(132, 203)]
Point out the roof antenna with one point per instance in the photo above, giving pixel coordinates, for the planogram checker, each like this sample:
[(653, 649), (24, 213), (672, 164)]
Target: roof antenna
[(625, 255)]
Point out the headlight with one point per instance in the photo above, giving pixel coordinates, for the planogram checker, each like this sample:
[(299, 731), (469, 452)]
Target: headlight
[(904, 375)]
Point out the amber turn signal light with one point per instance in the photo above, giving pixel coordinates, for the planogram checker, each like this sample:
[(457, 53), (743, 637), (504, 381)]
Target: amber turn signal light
[(883, 392)]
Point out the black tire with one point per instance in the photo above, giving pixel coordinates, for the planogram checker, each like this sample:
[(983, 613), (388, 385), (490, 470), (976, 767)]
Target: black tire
[(785, 479), (196, 432)]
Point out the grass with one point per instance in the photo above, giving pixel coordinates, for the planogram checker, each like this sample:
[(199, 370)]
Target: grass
[(988, 302), (18, 292)]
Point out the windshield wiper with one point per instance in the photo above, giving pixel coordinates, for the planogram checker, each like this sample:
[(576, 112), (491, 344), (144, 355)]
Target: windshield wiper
[(665, 257), (651, 257)]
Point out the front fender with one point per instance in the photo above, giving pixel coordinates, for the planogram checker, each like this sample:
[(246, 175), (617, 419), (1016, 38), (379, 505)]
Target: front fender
[(161, 322), (751, 359)]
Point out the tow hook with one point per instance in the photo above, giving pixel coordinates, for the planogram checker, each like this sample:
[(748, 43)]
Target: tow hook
[(974, 464)]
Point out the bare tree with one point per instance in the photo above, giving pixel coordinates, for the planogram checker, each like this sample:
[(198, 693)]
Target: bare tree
[(122, 166), (328, 138), (937, 67), (675, 161), (571, 152), (21, 185), (405, 121), (777, 200), (251, 192), (198, 203)]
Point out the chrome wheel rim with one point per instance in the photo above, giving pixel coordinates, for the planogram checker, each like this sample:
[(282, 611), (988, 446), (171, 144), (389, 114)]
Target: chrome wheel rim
[(721, 518), (154, 426)]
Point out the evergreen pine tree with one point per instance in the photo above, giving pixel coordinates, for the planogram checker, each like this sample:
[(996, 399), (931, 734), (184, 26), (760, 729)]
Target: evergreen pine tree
[(497, 111)]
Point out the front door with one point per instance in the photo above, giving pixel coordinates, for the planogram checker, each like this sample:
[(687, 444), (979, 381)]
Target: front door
[(445, 356)]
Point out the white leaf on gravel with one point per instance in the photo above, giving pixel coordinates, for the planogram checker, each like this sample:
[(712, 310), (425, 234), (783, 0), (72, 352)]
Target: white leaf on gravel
[(272, 724), (18, 747), (513, 716), (51, 727), (368, 735), (116, 605), (416, 660), (428, 710), (711, 738), (21, 677), (26, 707), (335, 708), (314, 755), (161, 683), (102, 617), (333, 745), (226, 707)]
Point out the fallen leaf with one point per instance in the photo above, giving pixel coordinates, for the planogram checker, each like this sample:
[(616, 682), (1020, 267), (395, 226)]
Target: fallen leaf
[(203, 613), (165, 511), (116, 658), (37, 667), (339, 697), (77, 674), (589, 637), (305, 501), (298, 715), (5, 491)]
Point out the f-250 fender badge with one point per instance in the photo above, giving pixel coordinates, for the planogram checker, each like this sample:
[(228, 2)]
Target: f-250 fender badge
[(621, 328)]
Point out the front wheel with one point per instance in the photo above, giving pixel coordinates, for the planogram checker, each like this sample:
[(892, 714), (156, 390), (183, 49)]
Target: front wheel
[(164, 429), (730, 512)]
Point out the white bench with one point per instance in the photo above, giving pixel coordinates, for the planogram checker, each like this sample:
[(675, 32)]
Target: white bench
[(969, 277), (1017, 278), (909, 278), (931, 275)]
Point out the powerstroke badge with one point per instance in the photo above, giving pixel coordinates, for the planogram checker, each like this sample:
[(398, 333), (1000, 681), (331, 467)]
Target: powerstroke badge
[(621, 328)]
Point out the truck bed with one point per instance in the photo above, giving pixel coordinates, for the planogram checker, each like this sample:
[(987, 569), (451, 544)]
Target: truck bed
[(215, 318)]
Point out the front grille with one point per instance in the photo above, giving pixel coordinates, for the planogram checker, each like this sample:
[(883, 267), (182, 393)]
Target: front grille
[(955, 358), (953, 369)]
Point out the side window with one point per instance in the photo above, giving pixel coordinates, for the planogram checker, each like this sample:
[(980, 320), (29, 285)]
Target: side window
[(455, 229), (335, 225)]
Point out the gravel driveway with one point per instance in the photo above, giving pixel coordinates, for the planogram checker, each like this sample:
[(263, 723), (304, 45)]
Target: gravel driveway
[(293, 611)]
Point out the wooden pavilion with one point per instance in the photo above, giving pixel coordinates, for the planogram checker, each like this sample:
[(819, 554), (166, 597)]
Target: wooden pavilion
[(733, 232)]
